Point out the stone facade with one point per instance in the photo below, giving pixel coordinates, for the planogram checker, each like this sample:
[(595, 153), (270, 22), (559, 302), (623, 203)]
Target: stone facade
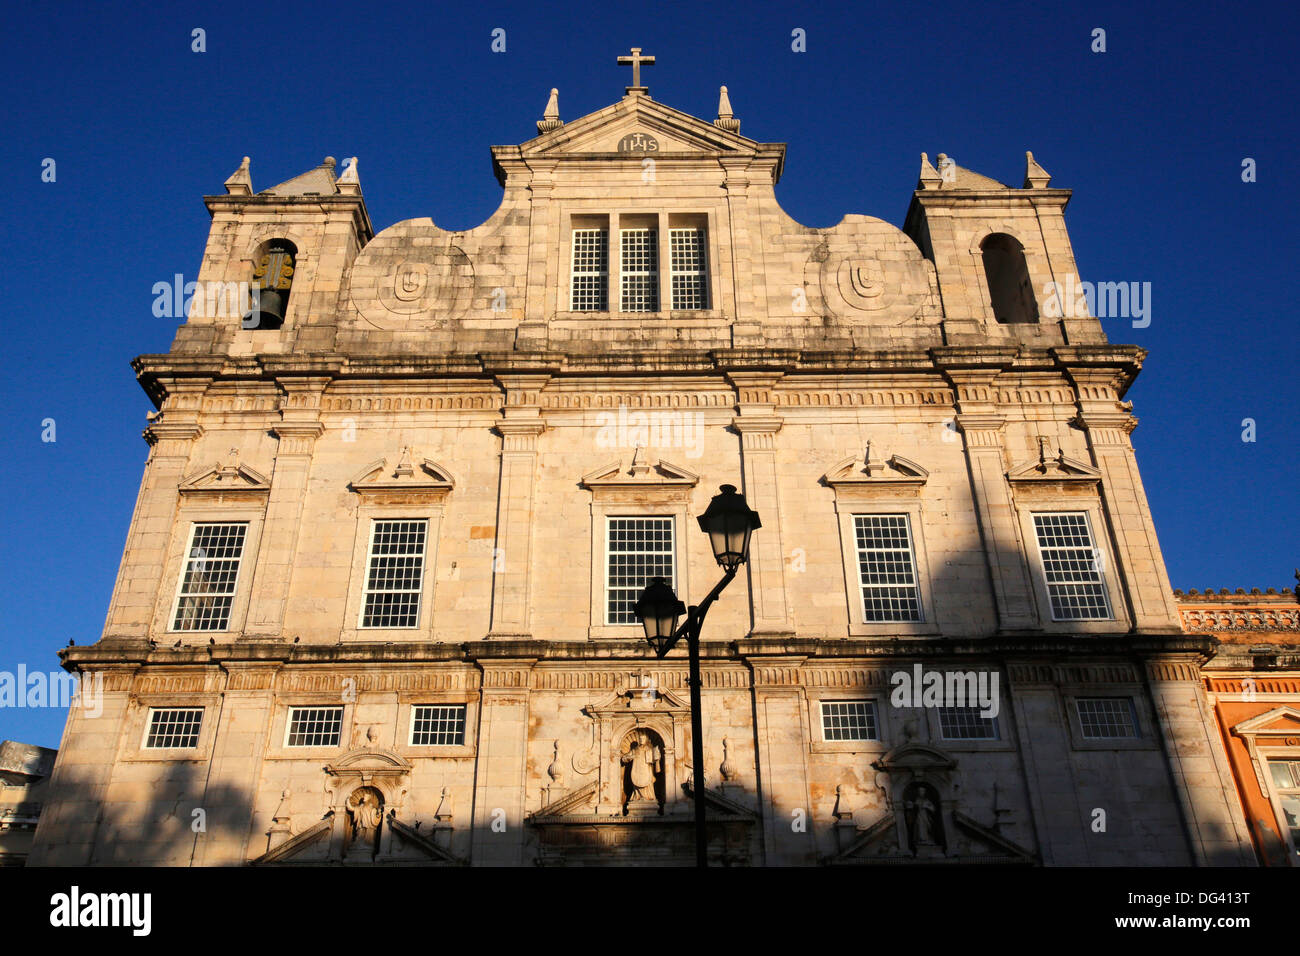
[(24, 781), (447, 378)]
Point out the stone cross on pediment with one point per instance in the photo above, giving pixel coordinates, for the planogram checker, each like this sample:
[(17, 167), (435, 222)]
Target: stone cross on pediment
[(636, 61)]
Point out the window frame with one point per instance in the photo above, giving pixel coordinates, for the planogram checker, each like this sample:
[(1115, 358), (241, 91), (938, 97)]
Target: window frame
[(184, 568), (204, 510), (1042, 567), (654, 286), (365, 577), (851, 502), (369, 510), (408, 700), (673, 503), (288, 726), (816, 732), (414, 716), (148, 728), (1144, 720), (1276, 794), (672, 550), (702, 272), (914, 587), (574, 232)]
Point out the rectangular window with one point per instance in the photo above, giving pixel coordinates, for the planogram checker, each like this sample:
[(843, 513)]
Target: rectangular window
[(173, 728), (1106, 717), (639, 270), (849, 720), (965, 723), (887, 566), (637, 550), (1072, 567), (314, 727), (1286, 781), (589, 291), (438, 725), (689, 272), (394, 574), (207, 588)]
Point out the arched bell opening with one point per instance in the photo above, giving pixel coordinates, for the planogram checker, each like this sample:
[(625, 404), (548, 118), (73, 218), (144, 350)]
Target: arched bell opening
[(273, 268)]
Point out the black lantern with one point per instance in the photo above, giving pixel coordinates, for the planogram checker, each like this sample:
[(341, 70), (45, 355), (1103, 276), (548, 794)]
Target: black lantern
[(729, 523), (658, 610)]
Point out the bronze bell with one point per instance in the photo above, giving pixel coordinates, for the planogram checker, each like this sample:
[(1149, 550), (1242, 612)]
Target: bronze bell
[(268, 313)]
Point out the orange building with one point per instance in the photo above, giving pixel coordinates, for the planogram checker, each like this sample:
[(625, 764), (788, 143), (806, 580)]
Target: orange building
[(1253, 688)]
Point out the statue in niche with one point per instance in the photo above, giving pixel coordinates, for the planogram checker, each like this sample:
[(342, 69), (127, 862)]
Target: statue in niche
[(365, 815), (643, 763), (921, 812)]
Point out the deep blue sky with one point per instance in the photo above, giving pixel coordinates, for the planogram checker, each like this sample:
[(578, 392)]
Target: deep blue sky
[(1150, 135)]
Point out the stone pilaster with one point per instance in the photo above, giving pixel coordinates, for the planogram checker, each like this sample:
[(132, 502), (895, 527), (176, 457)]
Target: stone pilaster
[(512, 557), (1202, 778), (297, 432), (780, 727), (746, 264), (758, 426), (502, 765), (1108, 423), (172, 435), (1004, 550)]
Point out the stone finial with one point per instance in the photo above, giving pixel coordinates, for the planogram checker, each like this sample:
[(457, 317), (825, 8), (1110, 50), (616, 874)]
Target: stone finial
[(930, 178), (240, 182), (871, 464), (551, 115), (404, 467), (348, 184), (1036, 177), (726, 118), (555, 771), (639, 465), (444, 811), (726, 770), (947, 169)]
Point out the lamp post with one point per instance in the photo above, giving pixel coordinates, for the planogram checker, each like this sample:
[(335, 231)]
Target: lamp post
[(729, 522)]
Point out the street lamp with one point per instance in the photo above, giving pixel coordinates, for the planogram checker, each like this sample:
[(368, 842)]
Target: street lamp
[(729, 522)]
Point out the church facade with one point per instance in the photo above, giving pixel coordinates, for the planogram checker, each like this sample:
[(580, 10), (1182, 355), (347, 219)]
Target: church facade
[(375, 605)]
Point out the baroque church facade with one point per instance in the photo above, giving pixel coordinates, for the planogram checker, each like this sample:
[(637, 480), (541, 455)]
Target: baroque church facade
[(375, 605)]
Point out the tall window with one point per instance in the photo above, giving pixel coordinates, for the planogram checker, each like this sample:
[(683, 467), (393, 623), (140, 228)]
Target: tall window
[(1072, 567), (637, 550), (314, 727), (849, 720), (394, 574), (887, 566), (207, 587), (437, 725), (689, 274), (639, 270), (1011, 292), (1106, 717), (589, 291), (173, 728), (1286, 782)]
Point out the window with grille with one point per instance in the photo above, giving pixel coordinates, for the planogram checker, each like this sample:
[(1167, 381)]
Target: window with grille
[(394, 574), (849, 720), (314, 727), (589, 291), (690, 278), (1106, 717), (173, 728), (639, 270), (438, 725), (965, 723), (1286, 781), (887, 567), (1072, 567), (637, 550), (207, 587)]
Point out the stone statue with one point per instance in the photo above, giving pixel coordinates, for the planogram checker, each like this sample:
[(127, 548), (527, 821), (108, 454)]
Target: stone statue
[(645, 762), (366, 811), (921, 812)]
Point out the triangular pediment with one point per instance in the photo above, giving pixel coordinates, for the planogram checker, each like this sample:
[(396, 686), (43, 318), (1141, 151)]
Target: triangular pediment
[(1047, 467), (672, 132), (639, 472), (1279, 720), (870, 469), (408, 474), (878, 843), (224, 477)]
